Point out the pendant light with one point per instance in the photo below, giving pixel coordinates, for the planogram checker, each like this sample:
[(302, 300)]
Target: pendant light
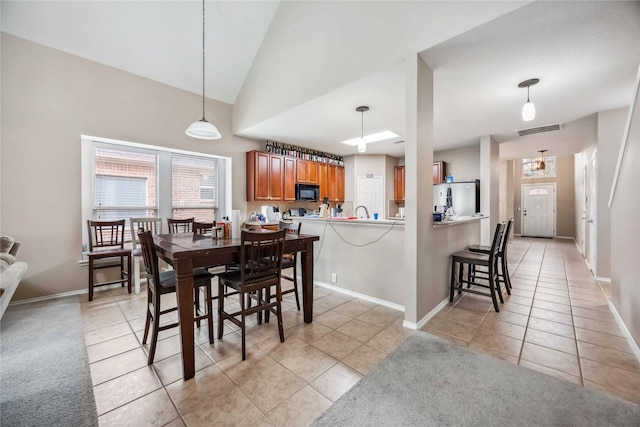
[(202, 129), (540, 162), (362, 145), (528, 110)]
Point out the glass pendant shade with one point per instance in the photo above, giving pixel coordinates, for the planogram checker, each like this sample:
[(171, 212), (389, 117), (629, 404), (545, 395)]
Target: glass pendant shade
[(528, 111), (362, 146), (202, 129)]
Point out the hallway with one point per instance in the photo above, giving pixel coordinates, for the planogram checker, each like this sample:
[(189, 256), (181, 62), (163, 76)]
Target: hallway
[(557, 321)]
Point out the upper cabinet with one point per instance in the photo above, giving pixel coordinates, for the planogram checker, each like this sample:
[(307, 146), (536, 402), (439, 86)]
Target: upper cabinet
[(307, 172), (398, 183), (289, 179), (439, 172), (336, 183), (265, 176)]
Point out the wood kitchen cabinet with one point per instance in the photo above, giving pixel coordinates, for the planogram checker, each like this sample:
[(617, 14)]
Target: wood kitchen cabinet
[(398, 183), (265, 176), (289, 179), (336, 183), (323, 180), (439, 172), (307, 172)]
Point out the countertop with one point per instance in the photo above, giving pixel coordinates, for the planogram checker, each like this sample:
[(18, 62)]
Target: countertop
[(338, 220), (457, 221)]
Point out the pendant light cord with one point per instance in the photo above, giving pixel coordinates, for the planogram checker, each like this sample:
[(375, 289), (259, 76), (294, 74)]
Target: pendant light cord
[(527, 89), (362, 124), (203, 60)]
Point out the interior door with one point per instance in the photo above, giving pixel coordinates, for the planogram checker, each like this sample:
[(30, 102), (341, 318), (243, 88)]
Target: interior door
[(370, 195), (592, 218), (539, 210)]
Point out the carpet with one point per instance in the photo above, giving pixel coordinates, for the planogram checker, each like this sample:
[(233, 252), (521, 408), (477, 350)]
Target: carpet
[(44, 368), (428, 381)]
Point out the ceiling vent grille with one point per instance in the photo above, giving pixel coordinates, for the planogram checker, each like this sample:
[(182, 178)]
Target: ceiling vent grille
[(540, 129)]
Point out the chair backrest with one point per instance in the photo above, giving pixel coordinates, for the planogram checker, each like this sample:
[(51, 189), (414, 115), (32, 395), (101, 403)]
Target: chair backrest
[(497, 239), (203, 227), (105, 234), (145, 224), (261, 252), (292, 228), (150, 258), (180, 225), (505, 238)]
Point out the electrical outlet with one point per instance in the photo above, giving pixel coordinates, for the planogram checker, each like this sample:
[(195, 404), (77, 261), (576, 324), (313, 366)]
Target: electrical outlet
[(334, 278)]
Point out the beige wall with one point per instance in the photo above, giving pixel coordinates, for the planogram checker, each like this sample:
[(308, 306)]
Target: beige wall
[(49, 99), (565, 202), (625, 232), (462, 163)]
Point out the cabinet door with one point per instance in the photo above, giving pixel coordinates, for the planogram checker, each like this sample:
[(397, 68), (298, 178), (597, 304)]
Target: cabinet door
[(313, 173), (302, 174), (323, 178), (289, 179), (333, 188), (276, 177), (339, 184), (261, 175), (439, 172), (398, 183)]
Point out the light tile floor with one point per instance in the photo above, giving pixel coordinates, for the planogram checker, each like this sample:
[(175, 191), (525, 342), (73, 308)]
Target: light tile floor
[(557, 321), (281, 384)]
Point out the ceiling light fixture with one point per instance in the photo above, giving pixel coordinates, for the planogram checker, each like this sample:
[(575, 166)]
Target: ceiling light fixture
[(540, 166), (374, 137), (202, 129), (528, 110), (362, 144)]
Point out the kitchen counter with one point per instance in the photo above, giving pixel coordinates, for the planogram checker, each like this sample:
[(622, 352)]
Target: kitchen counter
[(457, 221), (350, 221)]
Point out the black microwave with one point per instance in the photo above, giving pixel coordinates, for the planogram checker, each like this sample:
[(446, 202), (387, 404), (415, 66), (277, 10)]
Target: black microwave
[(309, 192)]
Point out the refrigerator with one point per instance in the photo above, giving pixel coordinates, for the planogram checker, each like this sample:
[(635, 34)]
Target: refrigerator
[(463, 196)]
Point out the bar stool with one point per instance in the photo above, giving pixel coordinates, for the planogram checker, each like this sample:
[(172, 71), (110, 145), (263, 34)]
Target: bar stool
[(503, 273), (473, 259)]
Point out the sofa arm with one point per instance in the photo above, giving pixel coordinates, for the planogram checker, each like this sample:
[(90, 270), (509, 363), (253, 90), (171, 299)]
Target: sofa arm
[(14, 249)]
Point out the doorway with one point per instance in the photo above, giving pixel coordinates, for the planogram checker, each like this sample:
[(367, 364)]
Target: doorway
[(370, 194), (539, 210), (592, 221)]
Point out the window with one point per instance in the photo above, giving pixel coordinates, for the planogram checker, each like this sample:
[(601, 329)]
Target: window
[(193, 187), (531, 167), (121, 180)]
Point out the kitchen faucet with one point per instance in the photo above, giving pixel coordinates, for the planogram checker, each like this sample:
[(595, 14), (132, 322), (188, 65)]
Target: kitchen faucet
[(365, 210)]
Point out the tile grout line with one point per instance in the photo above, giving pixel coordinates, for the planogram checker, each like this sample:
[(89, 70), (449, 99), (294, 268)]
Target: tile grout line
[(526, 328), (573, 323)]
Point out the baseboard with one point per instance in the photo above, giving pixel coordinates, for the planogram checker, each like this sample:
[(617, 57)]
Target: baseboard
[(604, 279), (360, 296), (565, 237), (48, 297), (623, 327), (519, 235), (579, 248), (426, 318)]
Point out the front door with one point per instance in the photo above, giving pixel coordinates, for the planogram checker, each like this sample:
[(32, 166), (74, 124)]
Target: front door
[(539, 210)]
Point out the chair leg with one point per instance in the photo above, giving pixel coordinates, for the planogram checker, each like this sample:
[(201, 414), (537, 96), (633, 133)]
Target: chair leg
[(148, 320), (136, 274), (492, 288), (267, 300), (505, 272), (461, 276), (453, 279), (220, 309), (122, 272), (243, 327), (156, 325), (129, 268), (279, 308), (295, 280), (90, 279), (196, 298), (209, 303)]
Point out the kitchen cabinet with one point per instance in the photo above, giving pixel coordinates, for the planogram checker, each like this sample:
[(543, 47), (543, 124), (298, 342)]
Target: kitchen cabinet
[(323, 180), (439, 172), (398, 183), (289, 179), (265, 176), (336, 183), (307, 172)]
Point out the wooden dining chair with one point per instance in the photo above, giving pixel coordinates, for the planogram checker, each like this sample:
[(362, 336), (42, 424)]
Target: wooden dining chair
[(471, 260), (180, 225), (106, 242), (501, 259), (135, 226), (291, 260), (161, 283), (261, 255), (203, 227)]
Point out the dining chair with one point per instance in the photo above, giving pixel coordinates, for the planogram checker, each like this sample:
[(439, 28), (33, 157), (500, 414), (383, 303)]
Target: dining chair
[(136, 225), (261, 256), (473, 259), (291, 260), (106, 242), (180, 225), (161, 283), (203, 227), (503, 272)]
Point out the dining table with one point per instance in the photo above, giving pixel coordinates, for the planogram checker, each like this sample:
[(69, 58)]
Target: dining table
[(186, 251)]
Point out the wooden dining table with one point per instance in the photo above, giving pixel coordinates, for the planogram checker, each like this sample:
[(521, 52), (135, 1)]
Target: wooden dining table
[(188, 251)]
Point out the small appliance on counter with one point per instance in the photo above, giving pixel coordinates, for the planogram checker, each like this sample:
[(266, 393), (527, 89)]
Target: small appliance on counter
[(270, 213), (324, 208)]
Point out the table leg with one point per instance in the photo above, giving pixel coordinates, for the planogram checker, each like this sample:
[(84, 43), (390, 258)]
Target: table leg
[(306, 261), (184, 273)]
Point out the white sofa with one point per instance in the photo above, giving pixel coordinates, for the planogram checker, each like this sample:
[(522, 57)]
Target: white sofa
[(12, 271)]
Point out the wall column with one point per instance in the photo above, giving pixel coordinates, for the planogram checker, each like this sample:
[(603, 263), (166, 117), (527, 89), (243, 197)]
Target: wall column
[(489, 186)]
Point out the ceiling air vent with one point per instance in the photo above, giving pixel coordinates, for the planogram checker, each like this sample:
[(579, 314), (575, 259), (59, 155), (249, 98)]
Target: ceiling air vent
[(540, 129)]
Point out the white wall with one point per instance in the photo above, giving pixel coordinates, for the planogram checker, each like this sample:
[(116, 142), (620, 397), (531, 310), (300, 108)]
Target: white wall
[(334, 43), (489, 186), (462, 163), (49, 99)]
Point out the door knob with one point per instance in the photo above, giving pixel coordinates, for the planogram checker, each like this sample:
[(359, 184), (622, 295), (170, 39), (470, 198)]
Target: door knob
[(590, 221)]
